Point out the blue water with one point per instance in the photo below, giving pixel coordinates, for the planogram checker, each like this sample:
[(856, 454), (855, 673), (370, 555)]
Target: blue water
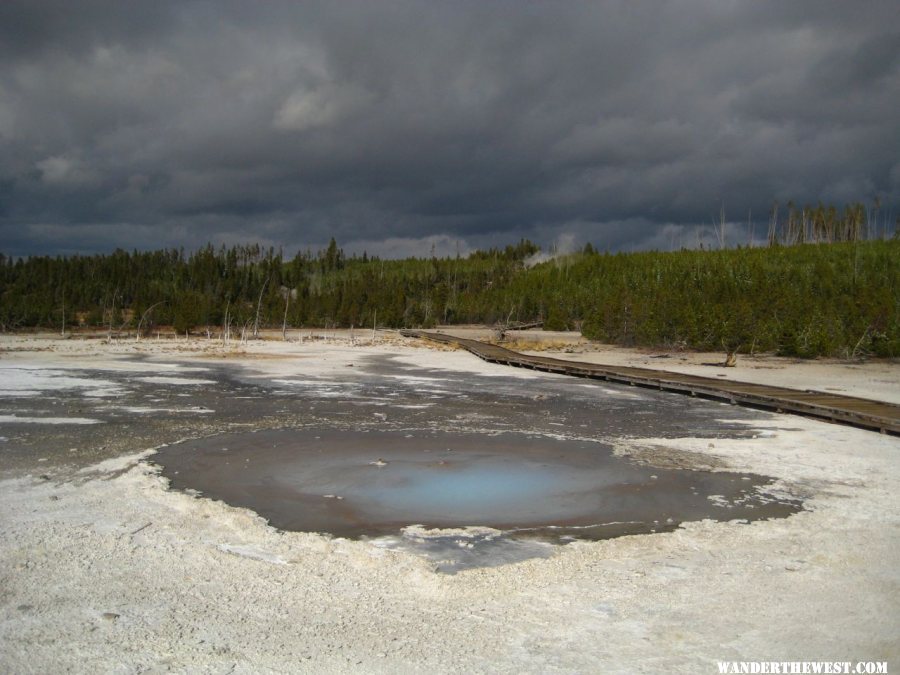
[(361, 484), (471, 490)]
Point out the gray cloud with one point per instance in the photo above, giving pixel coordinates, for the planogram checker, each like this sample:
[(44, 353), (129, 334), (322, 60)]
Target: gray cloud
[(396, 126)]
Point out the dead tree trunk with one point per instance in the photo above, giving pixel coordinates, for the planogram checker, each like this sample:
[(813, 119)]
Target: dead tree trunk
[(144, 316), (258, 305), (226, 327)]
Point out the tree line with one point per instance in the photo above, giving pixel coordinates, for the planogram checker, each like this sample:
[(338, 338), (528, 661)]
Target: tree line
[(840, 298), (206, 288)]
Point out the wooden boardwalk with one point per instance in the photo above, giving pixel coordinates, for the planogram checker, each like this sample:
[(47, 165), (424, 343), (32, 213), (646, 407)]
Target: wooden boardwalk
[(858, 412)]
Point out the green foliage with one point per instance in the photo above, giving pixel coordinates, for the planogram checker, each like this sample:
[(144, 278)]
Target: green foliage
[(557, 318), (836, 299), (839, 299)]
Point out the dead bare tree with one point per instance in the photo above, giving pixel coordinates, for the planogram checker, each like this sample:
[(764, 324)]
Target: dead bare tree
[(503, 329), (144, 316), (773, 225), (112, 313), (226, 326), (244, 330), (287, 301), (258, 305), (720, 234), (61, 292), (858, 350)]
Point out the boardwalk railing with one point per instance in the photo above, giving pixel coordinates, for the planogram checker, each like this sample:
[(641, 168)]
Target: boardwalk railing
[(858, 412)]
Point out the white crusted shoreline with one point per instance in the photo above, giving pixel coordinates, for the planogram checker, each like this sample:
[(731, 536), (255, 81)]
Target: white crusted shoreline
[(106, 570)]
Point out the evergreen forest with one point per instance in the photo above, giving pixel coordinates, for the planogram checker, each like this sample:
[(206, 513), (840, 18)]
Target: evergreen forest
[(804, 297)]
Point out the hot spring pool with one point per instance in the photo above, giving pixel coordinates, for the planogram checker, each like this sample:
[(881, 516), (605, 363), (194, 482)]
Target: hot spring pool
[(376, 483)]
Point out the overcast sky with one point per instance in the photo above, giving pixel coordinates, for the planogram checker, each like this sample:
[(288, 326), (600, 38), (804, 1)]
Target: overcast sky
[(401, 126)]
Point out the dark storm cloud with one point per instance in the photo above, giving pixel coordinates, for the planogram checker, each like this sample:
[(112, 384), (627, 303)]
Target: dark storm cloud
[(402, 126)]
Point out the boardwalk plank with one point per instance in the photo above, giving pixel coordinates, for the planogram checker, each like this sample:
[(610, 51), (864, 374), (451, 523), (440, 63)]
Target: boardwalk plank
[(859, 412)]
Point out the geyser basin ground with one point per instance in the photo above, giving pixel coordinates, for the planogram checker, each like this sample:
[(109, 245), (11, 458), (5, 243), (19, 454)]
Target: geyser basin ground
[(87, 531), (376, 483)]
